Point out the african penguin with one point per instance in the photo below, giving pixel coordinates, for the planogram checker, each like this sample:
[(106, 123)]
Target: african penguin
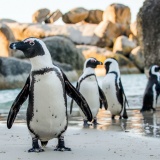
[(152, 90), (88, 86), (46, 88), (113, 89)]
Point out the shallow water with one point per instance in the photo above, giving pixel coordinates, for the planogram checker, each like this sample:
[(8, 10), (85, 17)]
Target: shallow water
[(146, 124)]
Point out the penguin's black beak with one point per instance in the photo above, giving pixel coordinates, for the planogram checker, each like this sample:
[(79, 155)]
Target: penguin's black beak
[(18, 45), (12, 46), (99, 63)]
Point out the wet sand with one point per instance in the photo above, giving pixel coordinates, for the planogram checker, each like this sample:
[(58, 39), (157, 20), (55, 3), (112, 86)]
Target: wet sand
[(135, 138)]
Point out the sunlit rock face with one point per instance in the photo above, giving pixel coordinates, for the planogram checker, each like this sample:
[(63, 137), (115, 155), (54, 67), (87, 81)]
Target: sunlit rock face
[(117, 13), (6, 37), (75, 15), (123, 45), (94, 16), (40, 15), (148, 26), (138, 58)]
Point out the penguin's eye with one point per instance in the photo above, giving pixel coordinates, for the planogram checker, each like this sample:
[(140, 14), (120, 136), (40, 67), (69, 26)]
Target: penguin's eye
[(32, 43)]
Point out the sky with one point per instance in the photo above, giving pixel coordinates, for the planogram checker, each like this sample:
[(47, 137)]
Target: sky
[(22, 10)]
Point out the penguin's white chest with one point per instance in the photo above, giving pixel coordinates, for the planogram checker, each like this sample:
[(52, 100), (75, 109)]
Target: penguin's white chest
[(89, 89), (49, 110), (109, 89)]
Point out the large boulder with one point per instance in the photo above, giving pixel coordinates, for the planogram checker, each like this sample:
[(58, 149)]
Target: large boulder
[(94, 16), (63, 50), (123, 45), (137, 57), (40, 15), (107, 31), (75, 15), (13, 73), (117, 13), (126, 65), (6, 37), (18, 29), (2, 20), (148, 26), (79, 34), (54, 16)]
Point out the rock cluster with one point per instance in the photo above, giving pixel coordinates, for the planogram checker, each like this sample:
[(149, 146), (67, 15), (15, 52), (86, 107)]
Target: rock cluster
[(86, 33)]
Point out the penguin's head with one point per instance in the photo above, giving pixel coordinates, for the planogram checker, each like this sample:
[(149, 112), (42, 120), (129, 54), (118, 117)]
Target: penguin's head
[(110, 65), (31, 47), (92, 63), (154, 70)]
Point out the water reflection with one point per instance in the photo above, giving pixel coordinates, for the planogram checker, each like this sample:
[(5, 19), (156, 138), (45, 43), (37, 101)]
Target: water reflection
[(152, 123), (145, 124)]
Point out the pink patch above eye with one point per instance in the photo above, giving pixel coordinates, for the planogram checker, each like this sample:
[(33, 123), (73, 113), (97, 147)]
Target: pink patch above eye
[(93, 60), (31, 42)]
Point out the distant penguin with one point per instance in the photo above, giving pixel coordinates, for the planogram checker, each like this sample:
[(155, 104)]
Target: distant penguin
[(88, 86), (113, 89), (46, 88), (152, 90)]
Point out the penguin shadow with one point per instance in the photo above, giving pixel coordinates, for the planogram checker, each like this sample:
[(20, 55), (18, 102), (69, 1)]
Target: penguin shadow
[(151, 123)]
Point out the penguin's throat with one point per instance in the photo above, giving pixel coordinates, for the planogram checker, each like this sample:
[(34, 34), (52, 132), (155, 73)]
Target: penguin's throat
[(89, 70), (41, 62)]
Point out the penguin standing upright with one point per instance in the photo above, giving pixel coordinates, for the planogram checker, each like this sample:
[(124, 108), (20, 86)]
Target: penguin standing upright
[(46, 87), (88, 86), (152, 90), (113, 89)]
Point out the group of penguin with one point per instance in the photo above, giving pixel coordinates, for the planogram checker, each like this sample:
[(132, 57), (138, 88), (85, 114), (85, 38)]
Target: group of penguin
[(47, 88)]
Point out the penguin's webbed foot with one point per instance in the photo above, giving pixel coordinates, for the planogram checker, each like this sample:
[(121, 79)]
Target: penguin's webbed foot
[(37, 150), (95, 123), (61, 145), (125, 117), (113, 116), (35, 146), (85, 123), (59, 148)]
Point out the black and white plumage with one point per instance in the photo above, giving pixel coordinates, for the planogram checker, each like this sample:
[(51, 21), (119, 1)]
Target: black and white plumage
[(113, 89), (152, 90), (88, 86), (46, 88)]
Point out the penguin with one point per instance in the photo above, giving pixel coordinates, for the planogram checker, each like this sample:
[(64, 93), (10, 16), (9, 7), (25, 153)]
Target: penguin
[(113, 89), (46, 88), (88, 86), (152, 90)]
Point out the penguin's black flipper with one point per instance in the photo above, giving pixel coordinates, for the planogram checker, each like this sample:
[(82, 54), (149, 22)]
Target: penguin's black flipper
[(77, 96), (103, 99), (22, 96), (71, 106), (121, 88)]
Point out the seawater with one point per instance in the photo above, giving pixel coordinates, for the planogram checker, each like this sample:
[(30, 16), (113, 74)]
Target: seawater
[(133, 84)]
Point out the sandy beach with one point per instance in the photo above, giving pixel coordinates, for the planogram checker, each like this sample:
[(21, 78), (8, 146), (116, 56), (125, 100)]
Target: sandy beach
[(119, 139)]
